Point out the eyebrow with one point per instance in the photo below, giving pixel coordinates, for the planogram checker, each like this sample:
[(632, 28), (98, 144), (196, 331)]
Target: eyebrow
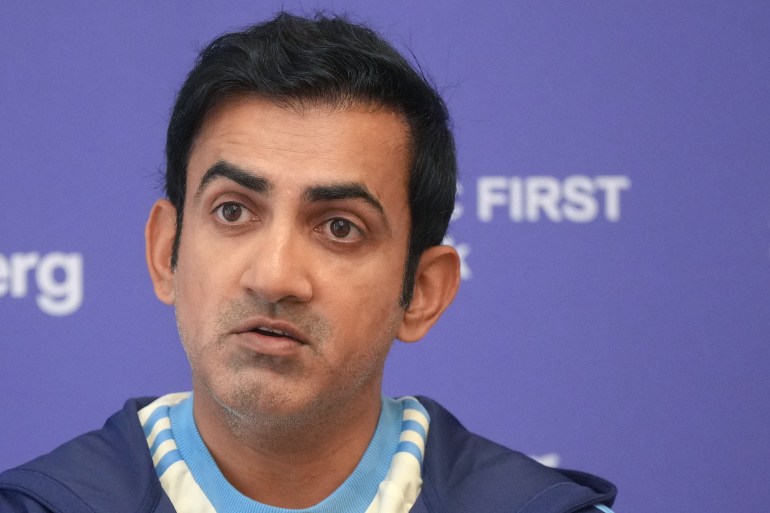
[(311, 194), (341, 191), (234, 173)]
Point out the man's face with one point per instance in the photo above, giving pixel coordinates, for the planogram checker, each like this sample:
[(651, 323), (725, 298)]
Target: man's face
[(292, 255)]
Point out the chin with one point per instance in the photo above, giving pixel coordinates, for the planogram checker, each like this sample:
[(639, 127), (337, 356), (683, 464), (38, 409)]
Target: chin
[(259, 406)]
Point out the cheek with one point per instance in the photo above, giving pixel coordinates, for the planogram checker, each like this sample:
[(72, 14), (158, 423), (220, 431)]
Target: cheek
[(368, 307), (203, 265), (188, 287), (370, 286), (197, 285)]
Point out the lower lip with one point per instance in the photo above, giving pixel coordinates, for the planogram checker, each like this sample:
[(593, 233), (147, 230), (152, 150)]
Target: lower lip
[(267, 345)]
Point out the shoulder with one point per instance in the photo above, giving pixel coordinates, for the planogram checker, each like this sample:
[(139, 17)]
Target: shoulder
[(463, 470), (109, 469)]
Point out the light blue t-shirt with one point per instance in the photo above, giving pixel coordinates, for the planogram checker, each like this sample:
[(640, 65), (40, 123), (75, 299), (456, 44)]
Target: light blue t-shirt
[(386, 479)]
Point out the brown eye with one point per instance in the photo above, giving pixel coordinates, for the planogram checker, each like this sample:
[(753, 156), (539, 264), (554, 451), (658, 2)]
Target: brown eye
[(340, 228), (231, 212)]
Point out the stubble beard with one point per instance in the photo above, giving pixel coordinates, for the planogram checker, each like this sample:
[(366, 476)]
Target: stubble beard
[(250, 406)]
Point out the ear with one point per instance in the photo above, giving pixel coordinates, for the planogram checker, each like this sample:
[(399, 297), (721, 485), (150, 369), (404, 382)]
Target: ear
[(159, 239), (435, 285)]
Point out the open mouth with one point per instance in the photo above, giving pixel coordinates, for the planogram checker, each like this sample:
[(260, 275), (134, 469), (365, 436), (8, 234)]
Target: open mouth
[(269, 332), (270, 338)]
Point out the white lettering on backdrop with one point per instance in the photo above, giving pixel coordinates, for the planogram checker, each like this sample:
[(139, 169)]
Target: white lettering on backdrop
[(58, 276)]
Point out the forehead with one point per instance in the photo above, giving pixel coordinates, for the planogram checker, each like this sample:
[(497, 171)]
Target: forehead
[(302, 145)]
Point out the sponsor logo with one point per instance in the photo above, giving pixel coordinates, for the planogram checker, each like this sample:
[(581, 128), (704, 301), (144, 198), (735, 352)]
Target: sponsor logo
[(57, 276), (529, 199)]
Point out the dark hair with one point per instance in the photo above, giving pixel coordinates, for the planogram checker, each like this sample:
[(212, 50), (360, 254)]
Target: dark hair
[(293, 61)]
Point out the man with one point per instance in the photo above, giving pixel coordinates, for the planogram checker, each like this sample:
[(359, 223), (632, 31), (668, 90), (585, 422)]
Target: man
[(310, 180)]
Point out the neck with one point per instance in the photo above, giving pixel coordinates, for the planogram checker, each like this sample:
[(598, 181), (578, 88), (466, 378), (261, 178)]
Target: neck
[(291, 465)]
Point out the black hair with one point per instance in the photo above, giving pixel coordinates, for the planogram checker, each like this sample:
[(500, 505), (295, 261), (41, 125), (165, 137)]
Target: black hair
[(293, 61)]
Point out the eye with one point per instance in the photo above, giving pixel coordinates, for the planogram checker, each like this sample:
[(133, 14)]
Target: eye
[(341, 229), (233, 213)]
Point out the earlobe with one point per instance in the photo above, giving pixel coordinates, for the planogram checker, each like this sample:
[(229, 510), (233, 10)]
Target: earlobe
[(436, 283), (159, 239)]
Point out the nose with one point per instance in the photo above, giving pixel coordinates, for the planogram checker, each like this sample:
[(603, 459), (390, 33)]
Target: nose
[(278, 268)]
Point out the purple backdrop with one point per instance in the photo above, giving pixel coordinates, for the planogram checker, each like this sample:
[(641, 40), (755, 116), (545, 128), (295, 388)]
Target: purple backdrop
[(613, 223)]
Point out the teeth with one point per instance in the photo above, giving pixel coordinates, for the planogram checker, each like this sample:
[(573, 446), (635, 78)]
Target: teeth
[(269, 330)]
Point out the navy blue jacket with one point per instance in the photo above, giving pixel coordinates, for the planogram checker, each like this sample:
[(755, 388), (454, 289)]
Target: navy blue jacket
[(110, 471)]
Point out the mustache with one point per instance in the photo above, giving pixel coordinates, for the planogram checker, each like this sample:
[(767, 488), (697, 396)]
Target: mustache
[(314, 326)]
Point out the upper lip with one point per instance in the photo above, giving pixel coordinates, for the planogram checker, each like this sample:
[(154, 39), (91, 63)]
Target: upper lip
[(285, 328)]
